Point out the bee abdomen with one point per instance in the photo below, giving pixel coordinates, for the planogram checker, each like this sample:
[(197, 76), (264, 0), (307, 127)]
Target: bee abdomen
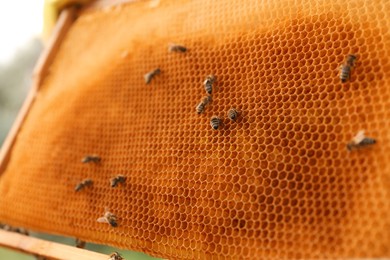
[(202, 105), (91, 158), (232, 114), (367, 141), (345, 73), (177, 48), (150, 75), (215, 122), (118, 179), (116, 256), (113, 222), (208, 84), (80, 243), (79, 187), (200, 108), (208, 87), (83, 184)]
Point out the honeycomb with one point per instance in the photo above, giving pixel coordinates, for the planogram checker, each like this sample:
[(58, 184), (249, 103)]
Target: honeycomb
[(277, 183)]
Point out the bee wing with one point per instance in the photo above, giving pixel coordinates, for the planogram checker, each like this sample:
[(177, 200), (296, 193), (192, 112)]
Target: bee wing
[(112, 182), (147, 78), (102, 220), (359, 137), (171, 47), (340, 69)]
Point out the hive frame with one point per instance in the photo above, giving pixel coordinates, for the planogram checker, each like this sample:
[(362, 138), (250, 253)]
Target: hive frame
[(37, 81)]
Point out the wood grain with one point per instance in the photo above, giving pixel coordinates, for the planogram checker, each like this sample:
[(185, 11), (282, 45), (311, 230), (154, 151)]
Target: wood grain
[(47, 249)]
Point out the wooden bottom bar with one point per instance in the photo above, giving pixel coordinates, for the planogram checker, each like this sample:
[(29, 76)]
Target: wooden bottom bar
[(47, 249)]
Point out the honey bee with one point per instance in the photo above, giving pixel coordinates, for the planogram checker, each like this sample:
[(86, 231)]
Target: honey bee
[(232, 114), (215, 122), (360, 141), (6, 227), (83, 184), (80, 243), (117, 179), (150, 75), (116, 256), (22, 231), (19, 230), (108, 218), (200, 108), (346, 68), (176, 48), (202, 105), (208, 83), (206, 100), (91, 158)]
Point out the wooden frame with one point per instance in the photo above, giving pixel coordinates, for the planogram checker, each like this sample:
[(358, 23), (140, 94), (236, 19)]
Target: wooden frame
[(46, 249), (12, 240), (65, 20)]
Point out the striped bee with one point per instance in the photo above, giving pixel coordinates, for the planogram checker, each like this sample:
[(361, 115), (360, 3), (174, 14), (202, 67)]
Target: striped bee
[(346, 68), (200, 108), (208, 83), (108, 218), (80, 243), (215, 122), (6, 227), (83, 184), (19, 230), (116, 256), (360, 141), (206, 100), (176, 48), (117, 179), (150, 75), (202, 105), (232, 114), (22, 231), (91, 158)]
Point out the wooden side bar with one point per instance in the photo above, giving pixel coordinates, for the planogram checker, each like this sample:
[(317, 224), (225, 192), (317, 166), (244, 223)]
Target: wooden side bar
[(64, 22)]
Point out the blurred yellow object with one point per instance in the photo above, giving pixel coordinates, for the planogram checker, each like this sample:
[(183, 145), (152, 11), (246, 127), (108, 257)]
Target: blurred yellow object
[(52, 9)]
